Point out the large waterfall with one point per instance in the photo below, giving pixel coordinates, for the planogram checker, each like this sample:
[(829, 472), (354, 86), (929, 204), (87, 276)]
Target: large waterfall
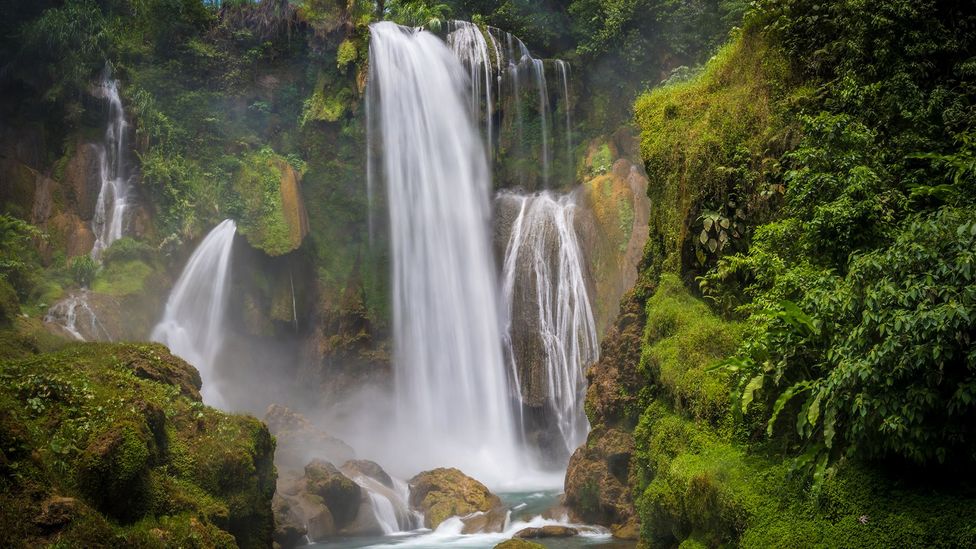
[(453, 401), (114, 174), (193, 324), (551, 334)]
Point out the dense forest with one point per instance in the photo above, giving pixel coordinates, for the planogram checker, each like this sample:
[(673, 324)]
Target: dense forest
[(762, 253)]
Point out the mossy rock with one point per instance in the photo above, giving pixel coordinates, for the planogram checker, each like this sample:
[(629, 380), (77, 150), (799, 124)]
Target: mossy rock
[(519, 544), (446, 492), (339, 493), (272, 212), (119, 429)]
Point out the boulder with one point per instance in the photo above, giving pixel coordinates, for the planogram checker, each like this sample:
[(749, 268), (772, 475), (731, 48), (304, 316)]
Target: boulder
[(299, 441), (446, 492), (155, 362), (367, 468), (597, 489), (547, 531), (57, 511), (339, 493), (289, 523), (519, 544), (485, 523)]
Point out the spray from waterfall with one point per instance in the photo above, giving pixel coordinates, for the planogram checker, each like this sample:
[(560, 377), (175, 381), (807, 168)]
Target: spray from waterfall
[(114, 171), (193, 324), (453, 402), (547, 309)]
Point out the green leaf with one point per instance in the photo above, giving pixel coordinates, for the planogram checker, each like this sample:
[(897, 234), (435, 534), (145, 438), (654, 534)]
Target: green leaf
[(783, 399), (748, 394)]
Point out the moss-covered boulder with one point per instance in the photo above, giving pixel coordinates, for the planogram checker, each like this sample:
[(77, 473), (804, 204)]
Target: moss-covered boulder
[(109, 444), (446, 492), (272, 212), (339, 493)]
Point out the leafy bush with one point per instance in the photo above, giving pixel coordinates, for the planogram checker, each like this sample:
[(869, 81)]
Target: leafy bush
[(82, 270), (127, 248), (18, 263)]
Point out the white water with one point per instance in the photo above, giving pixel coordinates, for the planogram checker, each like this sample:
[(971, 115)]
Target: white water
[(75, 315), (500, 67), (193, 323), (453, 404), (543, 278), (114, 174)]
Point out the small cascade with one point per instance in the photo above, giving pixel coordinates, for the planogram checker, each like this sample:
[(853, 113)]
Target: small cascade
[(390, 507), (75, 315), (193, 323), (452, 395), (550, 331), (108, 223), (502, 71)]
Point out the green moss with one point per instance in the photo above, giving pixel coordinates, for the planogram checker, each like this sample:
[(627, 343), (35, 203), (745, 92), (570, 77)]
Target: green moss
[(346, 54), (122, 278), (263, 218), (706, 142), (682, 340), (88, 423)]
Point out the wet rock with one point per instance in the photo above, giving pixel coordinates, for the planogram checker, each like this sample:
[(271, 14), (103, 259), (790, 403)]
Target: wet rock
[(484, 523), (518, 544), (299, 441), (547, 531), (597, 489), (289, 523), (369, 469), (447, 492), (365, 523), (339, 493), (70, 233)]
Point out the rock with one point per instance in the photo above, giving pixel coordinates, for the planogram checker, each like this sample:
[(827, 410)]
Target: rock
[(69, 232), (339, 493), (547, 531), (82, 178), (484, 523), (519, 544), (299, 441), (365, 523), (447, 492), (289, 523), (155, 362), (56, 512), (597, 489), (369, 469)]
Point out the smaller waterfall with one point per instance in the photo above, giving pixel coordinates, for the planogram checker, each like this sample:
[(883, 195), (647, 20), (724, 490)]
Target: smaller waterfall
[(547, 308), (113, 193), (193, 323), (500, 69), (390, 507), (76, 316)]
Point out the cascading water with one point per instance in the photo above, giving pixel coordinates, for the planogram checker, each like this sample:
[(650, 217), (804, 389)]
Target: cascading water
[(113, 194), (453, 401), (547, 309), (76, 316), (500, 68), (193, 323)]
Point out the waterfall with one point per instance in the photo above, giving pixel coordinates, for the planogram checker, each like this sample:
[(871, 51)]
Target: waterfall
[(193, 323), (497, 60), (76, 316), (452, 394), (547, 309), (113, 193)]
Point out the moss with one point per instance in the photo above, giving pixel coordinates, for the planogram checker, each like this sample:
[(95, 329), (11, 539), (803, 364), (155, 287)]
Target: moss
[(9, 304), (122, 278), (153, 466), (706, 143), (272, 215), (346, 54), (682, 340)]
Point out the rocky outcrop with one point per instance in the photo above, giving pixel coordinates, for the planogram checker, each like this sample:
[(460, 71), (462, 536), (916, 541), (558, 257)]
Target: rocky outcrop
[(613, 222), (273, 218), (299, 441), (150, 466), (339, 493), (597, 486), (519, 544), (369, 469), (82, 180), (446, 492)]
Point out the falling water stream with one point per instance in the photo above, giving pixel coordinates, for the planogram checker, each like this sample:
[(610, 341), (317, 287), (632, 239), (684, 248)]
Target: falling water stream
[(114, 174), (193, 323)]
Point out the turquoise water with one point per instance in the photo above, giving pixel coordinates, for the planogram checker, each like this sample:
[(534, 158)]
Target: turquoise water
[(526, 510)]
